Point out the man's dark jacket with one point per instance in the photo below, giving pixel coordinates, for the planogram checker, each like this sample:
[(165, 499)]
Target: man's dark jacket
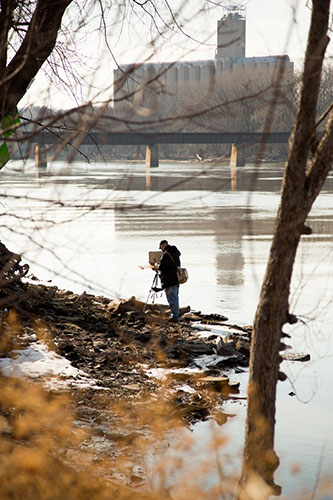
[(168, 268)]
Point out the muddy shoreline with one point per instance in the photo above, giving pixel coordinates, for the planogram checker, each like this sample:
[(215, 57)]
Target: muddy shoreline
[(118, 344), (147, 373)]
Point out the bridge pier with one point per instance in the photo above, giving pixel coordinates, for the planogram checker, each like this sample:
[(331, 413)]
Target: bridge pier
[(237, 158), (152, 156), (40, 158)]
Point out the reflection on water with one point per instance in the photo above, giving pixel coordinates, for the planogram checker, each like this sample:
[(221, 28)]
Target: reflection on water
[(90, 227)]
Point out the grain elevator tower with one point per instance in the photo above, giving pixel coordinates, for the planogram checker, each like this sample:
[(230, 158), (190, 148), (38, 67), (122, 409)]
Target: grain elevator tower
[(231, 34)]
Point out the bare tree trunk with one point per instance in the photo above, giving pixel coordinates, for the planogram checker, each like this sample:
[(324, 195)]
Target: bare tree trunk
[(15, 77), (307, 167), (36, 47)]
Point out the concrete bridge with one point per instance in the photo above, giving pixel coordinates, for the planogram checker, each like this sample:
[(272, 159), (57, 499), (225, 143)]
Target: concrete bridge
[(152, 139)]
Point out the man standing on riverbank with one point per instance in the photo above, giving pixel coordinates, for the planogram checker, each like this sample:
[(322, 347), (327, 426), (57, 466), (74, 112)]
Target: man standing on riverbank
[(168, 273)]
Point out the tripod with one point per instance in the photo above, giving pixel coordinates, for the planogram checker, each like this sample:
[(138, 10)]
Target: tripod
[(152, 293)]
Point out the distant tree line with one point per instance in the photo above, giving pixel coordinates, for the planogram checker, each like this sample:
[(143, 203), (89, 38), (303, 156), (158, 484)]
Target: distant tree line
[(241, 106)]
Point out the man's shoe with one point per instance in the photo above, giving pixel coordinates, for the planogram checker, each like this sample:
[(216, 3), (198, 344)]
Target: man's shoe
[(174, 320)]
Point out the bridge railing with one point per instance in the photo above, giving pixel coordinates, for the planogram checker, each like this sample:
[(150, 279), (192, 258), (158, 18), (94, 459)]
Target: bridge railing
[(150, 138)]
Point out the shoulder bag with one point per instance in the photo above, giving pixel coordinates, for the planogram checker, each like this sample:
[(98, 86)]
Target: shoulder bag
[(182, 274)]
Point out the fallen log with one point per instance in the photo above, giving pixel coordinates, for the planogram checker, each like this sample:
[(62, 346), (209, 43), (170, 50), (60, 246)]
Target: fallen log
[(122, 306)]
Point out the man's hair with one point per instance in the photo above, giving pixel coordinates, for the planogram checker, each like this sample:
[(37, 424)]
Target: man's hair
[(163, 242)]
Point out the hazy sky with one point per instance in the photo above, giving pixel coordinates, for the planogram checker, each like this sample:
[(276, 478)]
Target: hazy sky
[(272, 27), (277, 27)]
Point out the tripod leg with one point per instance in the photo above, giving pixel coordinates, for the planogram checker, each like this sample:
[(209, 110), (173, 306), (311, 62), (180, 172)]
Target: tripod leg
[(144, 307), (151, 292)]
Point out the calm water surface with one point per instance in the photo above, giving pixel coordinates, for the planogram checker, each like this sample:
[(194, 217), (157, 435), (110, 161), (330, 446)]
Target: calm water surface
[(90, 227)]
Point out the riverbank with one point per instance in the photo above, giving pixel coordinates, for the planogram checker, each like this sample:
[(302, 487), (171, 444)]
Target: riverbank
[(122, 347), (135, 371)]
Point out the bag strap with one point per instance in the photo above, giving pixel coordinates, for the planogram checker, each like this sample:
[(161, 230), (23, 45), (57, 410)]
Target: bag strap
[(172, 258)]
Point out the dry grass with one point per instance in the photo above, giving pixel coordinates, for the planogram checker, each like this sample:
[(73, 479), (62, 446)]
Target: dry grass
[(43, 454)]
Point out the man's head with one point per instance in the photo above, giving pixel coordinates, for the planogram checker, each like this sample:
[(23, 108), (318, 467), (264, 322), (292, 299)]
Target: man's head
[(163, 244)]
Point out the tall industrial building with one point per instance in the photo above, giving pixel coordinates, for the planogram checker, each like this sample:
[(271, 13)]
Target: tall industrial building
[(230, 63)]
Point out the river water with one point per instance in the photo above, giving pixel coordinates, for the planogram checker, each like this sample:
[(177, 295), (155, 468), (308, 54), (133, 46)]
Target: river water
[(90, 227)]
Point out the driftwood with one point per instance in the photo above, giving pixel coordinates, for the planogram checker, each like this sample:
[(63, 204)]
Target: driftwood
[(122, 306)]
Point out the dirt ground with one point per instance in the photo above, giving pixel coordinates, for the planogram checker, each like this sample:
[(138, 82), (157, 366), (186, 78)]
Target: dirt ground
[(116, 342)]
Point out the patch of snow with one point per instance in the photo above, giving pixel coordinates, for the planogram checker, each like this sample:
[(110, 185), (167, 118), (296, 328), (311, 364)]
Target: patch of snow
[(209, 360), (186, 388), (162, 373), (38, 362), (207, 330), (199, 364)]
